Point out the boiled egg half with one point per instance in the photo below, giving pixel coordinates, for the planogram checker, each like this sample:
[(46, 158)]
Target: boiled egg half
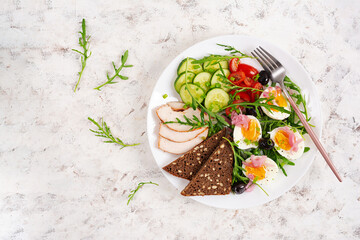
[(261, 168), (279, 100), (248, 133), (288, 142)]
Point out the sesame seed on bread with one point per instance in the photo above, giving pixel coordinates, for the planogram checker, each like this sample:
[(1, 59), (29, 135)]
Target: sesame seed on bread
[(189, 164), (215, 176)]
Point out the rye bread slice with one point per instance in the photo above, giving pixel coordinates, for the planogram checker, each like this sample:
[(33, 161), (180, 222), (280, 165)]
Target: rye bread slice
[(215, 176), (189, 164)]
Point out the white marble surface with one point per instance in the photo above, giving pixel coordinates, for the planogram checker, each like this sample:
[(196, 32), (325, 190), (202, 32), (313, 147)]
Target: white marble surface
[(58, 181)]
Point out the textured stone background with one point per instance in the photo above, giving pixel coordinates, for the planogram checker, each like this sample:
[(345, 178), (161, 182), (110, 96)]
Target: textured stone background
[(58, 181)]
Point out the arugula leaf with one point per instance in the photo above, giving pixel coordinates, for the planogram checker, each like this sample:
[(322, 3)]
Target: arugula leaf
[(124, 58), (133, 192), (105, 132), (84, 43)]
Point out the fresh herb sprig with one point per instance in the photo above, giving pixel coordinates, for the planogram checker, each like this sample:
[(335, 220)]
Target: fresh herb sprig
[(195, 122), (84, 43), (110, 80), (233, 51), (238, 174), (300, 99), (133, 192), (105, 132)]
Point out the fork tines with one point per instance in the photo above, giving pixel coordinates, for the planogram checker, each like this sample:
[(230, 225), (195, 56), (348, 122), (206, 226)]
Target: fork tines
[(267, 61)]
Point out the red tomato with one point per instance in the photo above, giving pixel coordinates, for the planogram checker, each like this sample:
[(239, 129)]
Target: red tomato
[(229, 110), (237, 77), (256, 94), (248, 70), (257, 85), (239, 107), (234, 64), (249, 82), (242, 95)]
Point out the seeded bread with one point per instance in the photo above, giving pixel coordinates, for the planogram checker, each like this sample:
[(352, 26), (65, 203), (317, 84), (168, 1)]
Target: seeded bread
[(215, 176), (189, 164)]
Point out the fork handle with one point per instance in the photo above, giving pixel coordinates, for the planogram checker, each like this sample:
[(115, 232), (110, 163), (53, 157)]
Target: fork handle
[(311, 134)]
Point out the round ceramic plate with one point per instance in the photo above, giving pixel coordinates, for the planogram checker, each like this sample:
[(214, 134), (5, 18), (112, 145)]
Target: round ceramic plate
[(165, 85)]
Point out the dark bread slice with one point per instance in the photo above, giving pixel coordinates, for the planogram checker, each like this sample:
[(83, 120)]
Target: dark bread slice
[(215, 176), (189, 164)]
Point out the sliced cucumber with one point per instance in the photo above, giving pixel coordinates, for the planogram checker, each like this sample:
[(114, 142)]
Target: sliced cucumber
[(216, 99), (217, 81), (195, 68), (180, 80), (211, 67), (203, 80), (196, 91)]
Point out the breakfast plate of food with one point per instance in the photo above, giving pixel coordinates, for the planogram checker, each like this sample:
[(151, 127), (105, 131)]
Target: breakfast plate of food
[(222, 132)]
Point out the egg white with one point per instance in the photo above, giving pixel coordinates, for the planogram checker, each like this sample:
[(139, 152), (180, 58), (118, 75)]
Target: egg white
[(291, 155), (239, 138), (271, 171), (275, 115)]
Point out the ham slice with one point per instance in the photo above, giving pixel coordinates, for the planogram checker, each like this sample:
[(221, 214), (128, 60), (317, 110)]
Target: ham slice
[(167, 114), (180, 147), (177, 106), (175, 136)]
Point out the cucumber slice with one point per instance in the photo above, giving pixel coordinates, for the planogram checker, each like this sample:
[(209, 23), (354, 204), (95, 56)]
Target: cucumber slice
[(180, 80), (196, 91), (211, 67), (203, 80), (216, 99), (217, 81), (195, 68)]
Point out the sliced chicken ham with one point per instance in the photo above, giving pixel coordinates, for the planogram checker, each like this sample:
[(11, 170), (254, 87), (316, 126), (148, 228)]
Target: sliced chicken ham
[(167, 114), (175, 136), (180, 147), (177, 106)]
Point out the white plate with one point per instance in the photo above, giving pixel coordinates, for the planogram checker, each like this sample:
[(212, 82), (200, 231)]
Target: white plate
[(165, 85)]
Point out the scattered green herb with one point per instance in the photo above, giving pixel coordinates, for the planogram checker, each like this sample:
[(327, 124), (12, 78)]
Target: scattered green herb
[(165, 96), (124, 58), (105, 132), (132, 193), (233, 51), (84, 43), (306, 149)]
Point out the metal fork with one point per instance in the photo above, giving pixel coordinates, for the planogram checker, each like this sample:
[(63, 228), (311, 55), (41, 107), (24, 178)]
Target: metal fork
[(277, 75)]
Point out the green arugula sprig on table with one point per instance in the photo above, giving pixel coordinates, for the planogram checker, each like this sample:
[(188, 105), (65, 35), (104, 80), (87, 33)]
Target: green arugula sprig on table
[(110, 80), (105, 132), (133, 192), (84, 43)]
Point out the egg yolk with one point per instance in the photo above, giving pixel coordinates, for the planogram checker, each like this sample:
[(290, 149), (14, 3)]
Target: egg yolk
[(252, 132), (282, 140), (279, 99), (258, 172)]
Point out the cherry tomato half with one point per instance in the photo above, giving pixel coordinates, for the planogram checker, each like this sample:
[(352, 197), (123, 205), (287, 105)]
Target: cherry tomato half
[(241, 95), (229, 110), (248, 70), (256, 94), (249, 82), (237, 77), (234, 64)]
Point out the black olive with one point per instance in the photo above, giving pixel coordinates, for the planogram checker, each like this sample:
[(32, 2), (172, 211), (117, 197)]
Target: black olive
[(263, 77), (238, 188), (266, 143), (251, 111)]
